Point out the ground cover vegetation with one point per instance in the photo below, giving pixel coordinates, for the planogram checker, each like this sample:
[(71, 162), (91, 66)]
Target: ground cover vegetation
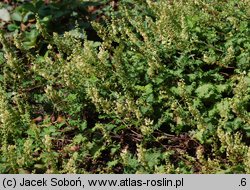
[(131, 86)]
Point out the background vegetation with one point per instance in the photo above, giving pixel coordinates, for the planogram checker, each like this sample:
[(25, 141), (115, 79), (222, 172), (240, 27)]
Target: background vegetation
[(132, 86)]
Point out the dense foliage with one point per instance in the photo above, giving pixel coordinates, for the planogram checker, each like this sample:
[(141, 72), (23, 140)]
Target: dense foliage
[(163, 88)]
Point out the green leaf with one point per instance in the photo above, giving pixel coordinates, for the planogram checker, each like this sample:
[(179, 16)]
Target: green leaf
[(79, 139), (83, 126), (199, 135), (153, 158), (2, 59), (150, 98), (205, 90), (12, 27), (30, 39), (28, 16), (29, 6), (16, 16), (112, 163)]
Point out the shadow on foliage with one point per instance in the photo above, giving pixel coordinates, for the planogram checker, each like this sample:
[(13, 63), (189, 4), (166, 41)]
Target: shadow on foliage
[(65, 15)]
